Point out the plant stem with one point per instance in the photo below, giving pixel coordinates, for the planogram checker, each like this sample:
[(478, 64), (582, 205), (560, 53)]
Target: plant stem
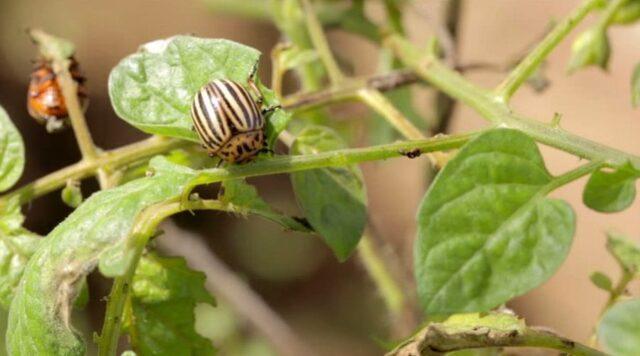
[(60, 62), (452, 83), (533, 60), (614, 295), (379, 103), (570, 176), (320, 43), (348, 89), (434, 340), (338, 158), (390, 291), (609, 12), (115, 158), (145, 226)]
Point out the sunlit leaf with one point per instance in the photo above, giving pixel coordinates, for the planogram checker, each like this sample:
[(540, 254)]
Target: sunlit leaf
[(591, 48), (52, 46), (11, 152), (165, 292), (471, 327), (611, 191), (333, 199), (153, 88), (486, 233), (96, 231), (619, 329), (16, 248)]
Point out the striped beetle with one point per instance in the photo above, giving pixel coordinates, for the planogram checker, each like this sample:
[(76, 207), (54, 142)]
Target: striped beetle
[(229, 121)]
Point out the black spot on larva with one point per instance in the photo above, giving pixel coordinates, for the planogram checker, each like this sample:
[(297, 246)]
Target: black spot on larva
[(416, 152)]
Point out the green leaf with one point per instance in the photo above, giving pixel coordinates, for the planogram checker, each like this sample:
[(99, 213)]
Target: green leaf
[(16, 248), (98, 230), (153, 88), (332, 199), (635, 86), (590, 48), (11, 152), (165, 292), (611, 191), (628, 13), (625, 251), (243, 198), (619, 329), (486, 233), (71, 194), (601, 281), (499, 322)]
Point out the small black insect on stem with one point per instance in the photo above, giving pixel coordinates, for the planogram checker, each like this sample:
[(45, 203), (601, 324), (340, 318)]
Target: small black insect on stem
[(416, 152)]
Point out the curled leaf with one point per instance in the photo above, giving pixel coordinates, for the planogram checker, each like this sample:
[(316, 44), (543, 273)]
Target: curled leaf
[(591, 48), (611, 191)]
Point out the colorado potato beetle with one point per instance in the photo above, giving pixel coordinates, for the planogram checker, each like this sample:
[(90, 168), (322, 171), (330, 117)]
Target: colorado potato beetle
[(45, 101), (229, 121)]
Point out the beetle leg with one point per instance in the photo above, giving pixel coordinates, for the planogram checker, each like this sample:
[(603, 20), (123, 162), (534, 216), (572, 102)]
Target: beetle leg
[(269, 110), (252, 85)]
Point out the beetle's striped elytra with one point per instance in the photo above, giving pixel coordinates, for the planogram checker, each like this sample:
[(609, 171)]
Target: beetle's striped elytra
[(229, 121)]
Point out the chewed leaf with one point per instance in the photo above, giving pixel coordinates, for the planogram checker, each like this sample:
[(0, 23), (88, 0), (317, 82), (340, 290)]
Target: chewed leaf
[(485, 232), (161, 318), (332, 199), (11, 152), (16, 248), (611, 191), (40, 311)]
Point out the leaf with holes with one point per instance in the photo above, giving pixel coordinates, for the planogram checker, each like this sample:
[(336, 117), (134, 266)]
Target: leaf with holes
[(486, 232), (332, 199), (153, 88), (610, 192), (16, 248), (160, 319), (97, 230)]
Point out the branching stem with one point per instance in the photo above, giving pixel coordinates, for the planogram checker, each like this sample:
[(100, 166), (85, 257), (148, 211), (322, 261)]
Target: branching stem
[(533, 60)]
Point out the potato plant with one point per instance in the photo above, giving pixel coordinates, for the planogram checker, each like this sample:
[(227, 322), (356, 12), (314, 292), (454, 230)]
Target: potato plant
[(487, 230)]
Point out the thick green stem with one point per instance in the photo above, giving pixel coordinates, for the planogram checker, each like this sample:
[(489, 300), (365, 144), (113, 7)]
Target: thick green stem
[(452, 83), (609, 13), (116, 158), (532, 61), (338, 158), (145, 226)]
